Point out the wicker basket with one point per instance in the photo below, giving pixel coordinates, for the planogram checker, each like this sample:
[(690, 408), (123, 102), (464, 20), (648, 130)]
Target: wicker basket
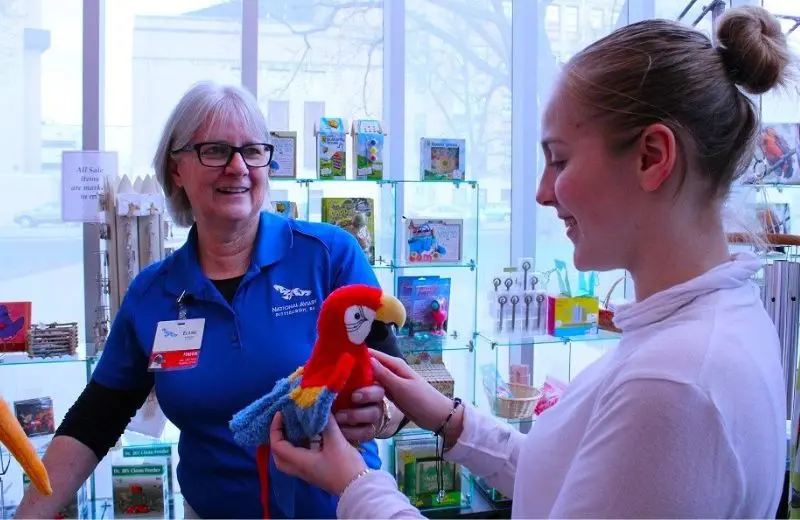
[(521, 405)]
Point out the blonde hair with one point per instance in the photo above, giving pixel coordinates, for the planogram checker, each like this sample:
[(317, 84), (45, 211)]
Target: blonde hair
[(210, 104), (660, 71)]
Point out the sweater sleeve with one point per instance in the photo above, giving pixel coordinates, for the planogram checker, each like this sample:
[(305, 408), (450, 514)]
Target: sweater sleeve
[(651, 451), (375, 495), (489, 448)]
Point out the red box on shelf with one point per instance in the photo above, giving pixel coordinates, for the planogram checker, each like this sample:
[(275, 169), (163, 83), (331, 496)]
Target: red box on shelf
[(15, 320)]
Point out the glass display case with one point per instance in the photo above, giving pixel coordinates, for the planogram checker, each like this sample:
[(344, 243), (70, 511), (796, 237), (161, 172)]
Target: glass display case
[(423, 240), (538, 336)]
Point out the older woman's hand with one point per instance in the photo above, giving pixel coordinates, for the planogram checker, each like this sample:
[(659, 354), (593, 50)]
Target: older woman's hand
[(363, 423), (331, 467)]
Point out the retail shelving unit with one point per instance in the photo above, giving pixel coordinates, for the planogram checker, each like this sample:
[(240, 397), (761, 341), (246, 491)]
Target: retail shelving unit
[(394, 201)]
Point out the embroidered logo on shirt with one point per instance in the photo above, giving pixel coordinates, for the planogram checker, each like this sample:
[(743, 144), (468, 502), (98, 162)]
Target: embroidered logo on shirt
[(293, 301), (288, 294)]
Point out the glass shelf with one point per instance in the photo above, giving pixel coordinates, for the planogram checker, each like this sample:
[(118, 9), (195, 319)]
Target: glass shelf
[(451, 342), (489, 492), (518, 422), (501, 340), (382, 263), (763, 185), (456, 183), (138, 442), (22, 358), (448, 361), (469, 264), (313, 180)]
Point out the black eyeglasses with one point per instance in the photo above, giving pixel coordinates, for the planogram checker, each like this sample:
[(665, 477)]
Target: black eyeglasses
[(255, 155)]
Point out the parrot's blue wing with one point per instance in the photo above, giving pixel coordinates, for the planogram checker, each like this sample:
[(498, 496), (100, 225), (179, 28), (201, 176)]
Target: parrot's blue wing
[(306, 419), (305, 413), (250, 426)]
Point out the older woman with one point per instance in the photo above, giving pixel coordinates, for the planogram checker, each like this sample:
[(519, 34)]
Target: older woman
[(248, 285)]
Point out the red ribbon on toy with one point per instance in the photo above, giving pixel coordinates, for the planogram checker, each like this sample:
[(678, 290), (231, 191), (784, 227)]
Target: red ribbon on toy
[(262, 459)]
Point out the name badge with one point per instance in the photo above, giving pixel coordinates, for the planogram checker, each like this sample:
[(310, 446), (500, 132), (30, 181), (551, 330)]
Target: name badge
[(177, 345)]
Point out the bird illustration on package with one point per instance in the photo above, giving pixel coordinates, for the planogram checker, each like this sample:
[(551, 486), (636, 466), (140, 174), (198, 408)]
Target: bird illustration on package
[(9, 327)]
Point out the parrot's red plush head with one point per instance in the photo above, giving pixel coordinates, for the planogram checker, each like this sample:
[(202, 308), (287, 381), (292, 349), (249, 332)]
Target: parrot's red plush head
[(348, 312)]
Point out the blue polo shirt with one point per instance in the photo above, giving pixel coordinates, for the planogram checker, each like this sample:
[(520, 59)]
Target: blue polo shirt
[(266, 334)]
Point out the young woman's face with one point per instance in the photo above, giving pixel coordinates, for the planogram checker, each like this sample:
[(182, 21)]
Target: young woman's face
[(592, 190)]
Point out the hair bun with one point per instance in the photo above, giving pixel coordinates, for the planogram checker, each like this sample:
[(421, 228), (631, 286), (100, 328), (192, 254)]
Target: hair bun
[(753, 48)]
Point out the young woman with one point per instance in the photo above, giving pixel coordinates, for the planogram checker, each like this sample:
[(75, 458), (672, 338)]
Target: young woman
[(643, 137)]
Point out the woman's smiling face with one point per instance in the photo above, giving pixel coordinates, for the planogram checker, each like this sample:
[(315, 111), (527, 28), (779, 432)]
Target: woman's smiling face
[(592, 189), (223, 194)]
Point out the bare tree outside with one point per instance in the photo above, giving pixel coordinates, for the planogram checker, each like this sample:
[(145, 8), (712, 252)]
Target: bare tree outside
[(458, 52)]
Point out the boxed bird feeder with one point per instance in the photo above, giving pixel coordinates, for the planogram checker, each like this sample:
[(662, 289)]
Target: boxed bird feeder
[(368, 149), (331, 148)]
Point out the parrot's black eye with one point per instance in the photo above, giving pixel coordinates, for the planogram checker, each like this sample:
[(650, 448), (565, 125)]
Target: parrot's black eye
[(357, 316)]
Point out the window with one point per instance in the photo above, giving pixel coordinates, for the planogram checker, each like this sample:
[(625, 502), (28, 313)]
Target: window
[(288, 11), (41, 104), (552, 21), (330, 65), (278, 115), (155, 51), (780, 118), (466, 95), (691, 14), (571, 20), (596, 19), (552, 17), (551, 242), (312, 112)]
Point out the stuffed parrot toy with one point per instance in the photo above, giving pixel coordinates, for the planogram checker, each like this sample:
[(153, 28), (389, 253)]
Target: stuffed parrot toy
[(13, 437), (339, 365)]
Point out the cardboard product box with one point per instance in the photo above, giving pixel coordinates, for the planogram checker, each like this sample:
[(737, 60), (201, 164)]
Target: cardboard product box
[(331, 149), (438, 376), (569, 316)]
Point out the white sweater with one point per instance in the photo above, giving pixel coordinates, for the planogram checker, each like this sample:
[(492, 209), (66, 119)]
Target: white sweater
[(685, 418)]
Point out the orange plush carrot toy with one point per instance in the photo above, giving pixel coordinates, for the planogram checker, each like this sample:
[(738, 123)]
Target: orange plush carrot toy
[(14, 438)]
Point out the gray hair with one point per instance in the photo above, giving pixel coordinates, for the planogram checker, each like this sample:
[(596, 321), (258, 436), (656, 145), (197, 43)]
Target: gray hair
[(204, 103)]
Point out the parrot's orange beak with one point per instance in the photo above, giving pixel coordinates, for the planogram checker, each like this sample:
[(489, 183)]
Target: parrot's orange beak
[(13, 437), (391, 311)]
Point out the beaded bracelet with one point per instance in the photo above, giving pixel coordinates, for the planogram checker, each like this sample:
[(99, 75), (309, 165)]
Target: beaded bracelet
[(456, 404), (355, 479), (440, 452)]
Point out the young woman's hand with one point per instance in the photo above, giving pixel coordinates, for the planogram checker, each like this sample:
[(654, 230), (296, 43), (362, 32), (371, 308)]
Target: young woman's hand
[(330, 467), (411, 394)]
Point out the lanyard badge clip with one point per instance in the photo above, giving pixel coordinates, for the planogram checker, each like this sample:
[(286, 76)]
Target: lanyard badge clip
[(181, 301)]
